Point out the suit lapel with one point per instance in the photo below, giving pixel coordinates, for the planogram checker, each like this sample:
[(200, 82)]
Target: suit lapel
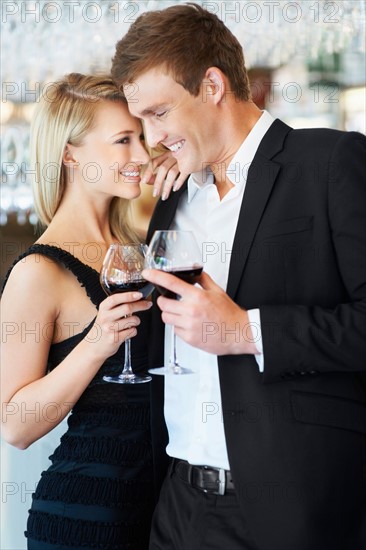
[(261, 178), (164, 212)]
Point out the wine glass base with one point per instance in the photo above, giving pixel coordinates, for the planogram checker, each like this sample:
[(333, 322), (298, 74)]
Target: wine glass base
[(127, 379), (171, 370)]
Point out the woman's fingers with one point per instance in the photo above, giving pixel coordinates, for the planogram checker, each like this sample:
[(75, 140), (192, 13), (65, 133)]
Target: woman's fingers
[(165, 177), (129, 324), (163, 172), (179, 181), (116, 317), (129, 301)]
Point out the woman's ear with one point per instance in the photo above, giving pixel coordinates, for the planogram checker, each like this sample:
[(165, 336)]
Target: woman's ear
[(68, 157), (214, 85)]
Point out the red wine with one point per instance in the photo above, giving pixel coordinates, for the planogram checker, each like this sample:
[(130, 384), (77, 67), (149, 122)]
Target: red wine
[(189, 275), (140, 285)]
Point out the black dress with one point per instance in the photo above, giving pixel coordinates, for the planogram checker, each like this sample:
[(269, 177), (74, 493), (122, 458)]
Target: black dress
[(98, 492)]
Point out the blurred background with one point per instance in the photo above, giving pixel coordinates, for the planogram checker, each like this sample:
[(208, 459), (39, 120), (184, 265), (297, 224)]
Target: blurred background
[(307, 66)]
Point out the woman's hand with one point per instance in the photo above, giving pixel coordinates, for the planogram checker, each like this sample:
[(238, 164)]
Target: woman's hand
[(163, 173), (28, 332), (116, 321)]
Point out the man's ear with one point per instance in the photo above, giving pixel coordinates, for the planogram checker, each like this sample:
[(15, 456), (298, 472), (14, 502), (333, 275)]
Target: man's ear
[(68, 156), (214, 85)]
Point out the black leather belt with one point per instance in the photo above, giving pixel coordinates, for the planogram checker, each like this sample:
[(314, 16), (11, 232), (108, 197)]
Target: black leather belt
[(216, 481)]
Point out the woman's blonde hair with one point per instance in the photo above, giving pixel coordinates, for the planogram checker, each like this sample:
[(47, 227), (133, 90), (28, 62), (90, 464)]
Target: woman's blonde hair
[(65, 114)]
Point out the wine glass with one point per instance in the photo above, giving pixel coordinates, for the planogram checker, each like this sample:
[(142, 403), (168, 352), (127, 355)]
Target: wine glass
[(174, 252), (121, 272)]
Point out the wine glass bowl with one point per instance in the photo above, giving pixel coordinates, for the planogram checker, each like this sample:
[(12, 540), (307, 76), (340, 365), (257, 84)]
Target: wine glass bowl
[(189, 275), (175, 252), (121, 272)]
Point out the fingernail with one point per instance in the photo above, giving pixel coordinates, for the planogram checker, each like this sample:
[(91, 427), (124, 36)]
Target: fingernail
[(175, 189), (155, 193), (164, 196), (137, 295)]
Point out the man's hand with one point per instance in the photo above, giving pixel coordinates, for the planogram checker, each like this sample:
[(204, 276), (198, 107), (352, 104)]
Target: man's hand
[(206, 317)]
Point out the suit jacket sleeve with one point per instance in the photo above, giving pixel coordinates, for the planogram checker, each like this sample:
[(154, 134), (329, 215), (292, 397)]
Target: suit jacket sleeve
[(301, 338)]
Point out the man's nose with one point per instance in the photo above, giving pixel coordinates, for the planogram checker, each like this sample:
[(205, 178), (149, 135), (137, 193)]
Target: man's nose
[(139, 154), (153, 134)]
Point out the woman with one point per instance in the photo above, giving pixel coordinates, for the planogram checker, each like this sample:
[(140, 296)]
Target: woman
[(88, 152)]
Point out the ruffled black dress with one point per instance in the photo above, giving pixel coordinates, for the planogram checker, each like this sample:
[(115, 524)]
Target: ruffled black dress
[(98, 491)]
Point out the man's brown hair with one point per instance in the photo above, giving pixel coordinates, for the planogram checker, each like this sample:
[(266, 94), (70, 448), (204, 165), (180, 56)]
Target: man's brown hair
[(185, 41)]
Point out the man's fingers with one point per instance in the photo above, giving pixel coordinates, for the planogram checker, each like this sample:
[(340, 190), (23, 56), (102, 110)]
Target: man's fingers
[(172, 319), (168, 281), (206, 282)]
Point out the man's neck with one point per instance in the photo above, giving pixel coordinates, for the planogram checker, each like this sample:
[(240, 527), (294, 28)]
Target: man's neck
[(243, 117)]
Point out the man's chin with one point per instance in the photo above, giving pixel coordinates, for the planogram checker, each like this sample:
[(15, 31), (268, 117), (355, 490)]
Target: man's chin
[(188, 167)]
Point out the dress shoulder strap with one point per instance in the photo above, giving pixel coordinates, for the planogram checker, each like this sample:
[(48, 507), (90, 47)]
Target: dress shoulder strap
[(86, 275)]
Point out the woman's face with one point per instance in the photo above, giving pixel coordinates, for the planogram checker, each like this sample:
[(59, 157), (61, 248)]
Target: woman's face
[(110, 158)]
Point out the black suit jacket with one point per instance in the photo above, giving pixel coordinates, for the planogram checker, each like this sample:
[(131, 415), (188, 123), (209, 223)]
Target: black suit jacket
[(296, 433)]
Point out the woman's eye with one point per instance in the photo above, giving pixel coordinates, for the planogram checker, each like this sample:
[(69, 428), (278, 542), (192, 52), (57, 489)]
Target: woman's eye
[(159, 115), (124, 140)]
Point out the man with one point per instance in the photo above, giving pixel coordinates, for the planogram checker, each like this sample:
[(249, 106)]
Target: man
[(268, 436)]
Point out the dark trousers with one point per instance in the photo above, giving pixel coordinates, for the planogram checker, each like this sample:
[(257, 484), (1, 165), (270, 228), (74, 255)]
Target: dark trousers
[(189, 519)]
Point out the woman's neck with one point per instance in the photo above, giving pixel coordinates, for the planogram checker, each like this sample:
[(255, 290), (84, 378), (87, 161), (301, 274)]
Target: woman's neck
[(80, 222)]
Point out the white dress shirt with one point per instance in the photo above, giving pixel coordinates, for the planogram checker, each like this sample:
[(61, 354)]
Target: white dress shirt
[(193, 410)]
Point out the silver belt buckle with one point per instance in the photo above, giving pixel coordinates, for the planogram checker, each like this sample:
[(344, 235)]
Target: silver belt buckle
[(221, 482)]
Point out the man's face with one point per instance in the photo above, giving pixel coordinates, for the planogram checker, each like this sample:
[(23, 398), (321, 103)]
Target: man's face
[(174, 118)]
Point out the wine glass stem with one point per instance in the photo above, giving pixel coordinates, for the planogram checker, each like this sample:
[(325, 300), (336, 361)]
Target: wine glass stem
[(127, 368), (173, 351)]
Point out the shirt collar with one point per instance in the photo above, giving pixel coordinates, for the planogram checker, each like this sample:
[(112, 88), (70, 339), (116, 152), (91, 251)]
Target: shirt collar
[(199, 180), (243, 157)]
